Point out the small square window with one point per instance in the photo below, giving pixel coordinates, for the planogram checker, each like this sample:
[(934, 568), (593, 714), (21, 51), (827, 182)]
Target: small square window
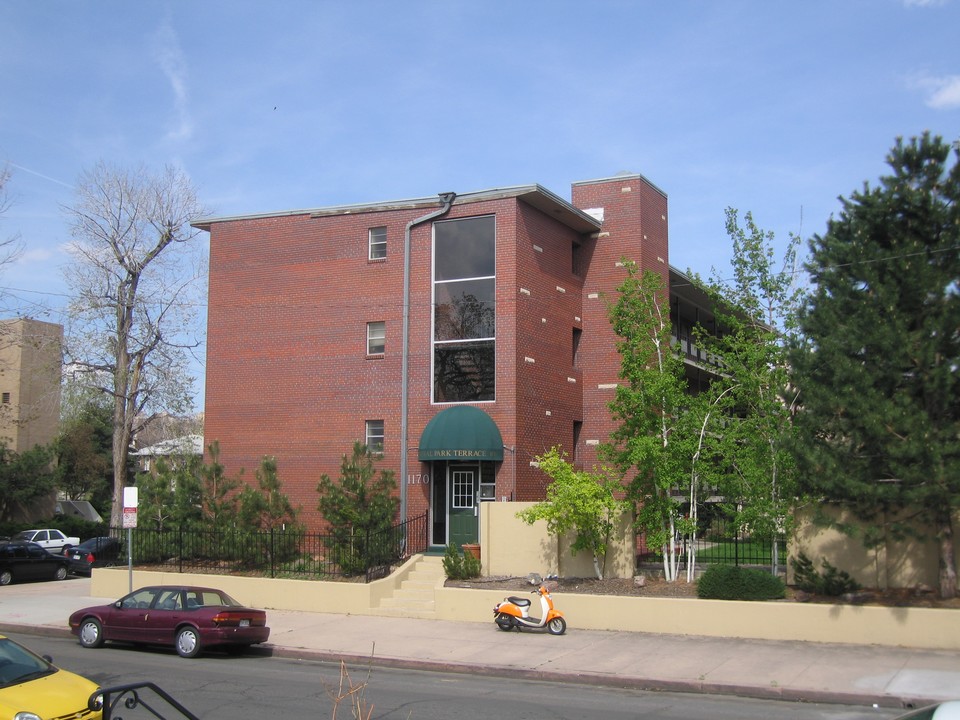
[(376, 338), (378, 243), (375, 436)]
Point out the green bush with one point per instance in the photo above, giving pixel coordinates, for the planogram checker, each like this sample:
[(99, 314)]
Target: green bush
[(732, 582), (460, 566), (832, 582)]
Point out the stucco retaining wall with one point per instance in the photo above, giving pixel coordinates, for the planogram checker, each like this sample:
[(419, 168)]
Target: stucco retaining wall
[(870, 625)]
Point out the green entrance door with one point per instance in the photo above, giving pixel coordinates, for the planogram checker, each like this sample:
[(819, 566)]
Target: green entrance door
[(463, 511)]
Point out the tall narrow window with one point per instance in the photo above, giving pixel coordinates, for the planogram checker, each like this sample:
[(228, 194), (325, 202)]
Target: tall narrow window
[(376, 338), (577, 334), (6, 398), (377, 243), (374, 436), (464, 310)]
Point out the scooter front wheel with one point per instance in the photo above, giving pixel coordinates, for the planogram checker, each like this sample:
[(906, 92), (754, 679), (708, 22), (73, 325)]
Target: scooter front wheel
[(503, 621), (557, 626)]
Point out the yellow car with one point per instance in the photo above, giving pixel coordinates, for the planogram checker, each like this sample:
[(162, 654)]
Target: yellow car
[(31, 688)]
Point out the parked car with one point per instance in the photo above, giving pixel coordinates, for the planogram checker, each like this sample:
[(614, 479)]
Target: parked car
[(21, 561), (33, 687), (949, 710), (188, 618), (95, 552), (48, 538)]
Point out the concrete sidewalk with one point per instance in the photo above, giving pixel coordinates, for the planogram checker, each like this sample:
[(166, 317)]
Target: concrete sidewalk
[(813, 672)]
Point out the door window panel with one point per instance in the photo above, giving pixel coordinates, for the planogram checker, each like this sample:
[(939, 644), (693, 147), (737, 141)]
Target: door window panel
[(463, 493)]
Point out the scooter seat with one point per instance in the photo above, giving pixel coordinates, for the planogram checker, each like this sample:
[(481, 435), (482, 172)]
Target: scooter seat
[(519, 601)]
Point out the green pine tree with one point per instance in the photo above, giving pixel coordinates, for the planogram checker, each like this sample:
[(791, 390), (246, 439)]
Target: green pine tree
[(360, 508), (879, 373)]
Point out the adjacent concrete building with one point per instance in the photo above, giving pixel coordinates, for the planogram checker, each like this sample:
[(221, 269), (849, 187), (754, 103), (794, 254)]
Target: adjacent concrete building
[(30, 372)]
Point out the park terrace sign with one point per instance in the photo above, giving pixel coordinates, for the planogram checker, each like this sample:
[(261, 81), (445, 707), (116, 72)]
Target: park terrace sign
[(461, 432)]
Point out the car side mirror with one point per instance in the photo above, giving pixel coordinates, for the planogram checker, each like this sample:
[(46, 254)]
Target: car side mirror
[(118, 605)]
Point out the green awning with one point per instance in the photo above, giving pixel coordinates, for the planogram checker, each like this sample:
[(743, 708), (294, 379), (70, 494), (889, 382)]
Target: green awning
[(461, 432)]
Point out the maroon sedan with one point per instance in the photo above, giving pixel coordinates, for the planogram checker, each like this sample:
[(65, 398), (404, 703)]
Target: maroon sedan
[(189, 618)]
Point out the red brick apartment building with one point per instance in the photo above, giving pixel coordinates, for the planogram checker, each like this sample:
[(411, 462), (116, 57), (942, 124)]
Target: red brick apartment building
[(460, 335)]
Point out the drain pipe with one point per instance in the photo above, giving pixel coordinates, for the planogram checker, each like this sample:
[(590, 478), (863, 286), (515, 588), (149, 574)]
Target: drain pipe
[(446, 200)]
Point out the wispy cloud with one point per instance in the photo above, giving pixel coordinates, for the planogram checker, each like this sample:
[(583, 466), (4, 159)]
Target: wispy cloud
[(943, 93), (924, 3), (174, 66)]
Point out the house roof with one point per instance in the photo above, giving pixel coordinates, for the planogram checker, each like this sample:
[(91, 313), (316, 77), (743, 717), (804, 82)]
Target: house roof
[(184, 445), (534, 195)]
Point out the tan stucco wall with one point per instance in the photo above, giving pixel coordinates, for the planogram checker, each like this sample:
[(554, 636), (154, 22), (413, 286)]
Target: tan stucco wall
[(905, 627), (894, 564), (509, 546)]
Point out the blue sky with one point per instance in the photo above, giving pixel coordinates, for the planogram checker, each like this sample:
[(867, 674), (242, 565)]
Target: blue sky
[(773, 107)]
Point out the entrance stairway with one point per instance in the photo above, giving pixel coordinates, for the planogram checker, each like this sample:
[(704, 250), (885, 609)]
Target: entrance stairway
[(414, 594)]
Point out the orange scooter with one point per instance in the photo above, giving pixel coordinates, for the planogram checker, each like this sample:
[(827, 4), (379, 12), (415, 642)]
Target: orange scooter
[(514, 612)]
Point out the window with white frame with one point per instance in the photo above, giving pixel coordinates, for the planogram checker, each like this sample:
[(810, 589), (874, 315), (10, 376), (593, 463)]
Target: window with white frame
[(376, 338), (374, 436), (377, 243), (464, 310)]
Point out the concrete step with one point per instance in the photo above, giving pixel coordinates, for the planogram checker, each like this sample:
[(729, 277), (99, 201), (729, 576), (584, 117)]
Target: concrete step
[(414, 596)]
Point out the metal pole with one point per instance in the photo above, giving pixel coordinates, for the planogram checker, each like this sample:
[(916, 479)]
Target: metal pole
[(447, 200)]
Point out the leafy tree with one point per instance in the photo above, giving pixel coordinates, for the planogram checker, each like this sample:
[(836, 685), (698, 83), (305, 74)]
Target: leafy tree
[(750, 435), (581, 502), (878, 371), (266, 506), (85, 455), (134, 280), (359, 507), (25, 478), (659, 422)]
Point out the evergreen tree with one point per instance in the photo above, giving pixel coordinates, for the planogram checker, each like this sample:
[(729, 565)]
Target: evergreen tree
[(265, 506), (85, 456), (217, 492), (878, 373), (360, 508)]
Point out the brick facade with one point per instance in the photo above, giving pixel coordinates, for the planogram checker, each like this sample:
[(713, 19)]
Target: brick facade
[(290, 296)]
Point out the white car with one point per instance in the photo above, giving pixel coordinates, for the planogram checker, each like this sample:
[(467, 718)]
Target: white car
[(943, 711), (49, 539)]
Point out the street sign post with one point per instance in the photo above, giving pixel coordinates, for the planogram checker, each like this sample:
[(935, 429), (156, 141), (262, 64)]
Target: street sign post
[(131, 499)]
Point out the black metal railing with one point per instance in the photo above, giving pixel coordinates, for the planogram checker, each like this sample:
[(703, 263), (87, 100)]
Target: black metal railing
[(278, 552), (724, 543), (131, 698)]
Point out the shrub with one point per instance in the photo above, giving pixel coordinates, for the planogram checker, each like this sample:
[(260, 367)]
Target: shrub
[(459, 566), (832, 582), (732, 582)]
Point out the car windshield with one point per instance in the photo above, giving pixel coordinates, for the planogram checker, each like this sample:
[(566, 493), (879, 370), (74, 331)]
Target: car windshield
[(23, 535), (17, 664)]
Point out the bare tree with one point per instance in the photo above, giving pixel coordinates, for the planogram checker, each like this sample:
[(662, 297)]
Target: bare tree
[(136, 282), (11, 246)]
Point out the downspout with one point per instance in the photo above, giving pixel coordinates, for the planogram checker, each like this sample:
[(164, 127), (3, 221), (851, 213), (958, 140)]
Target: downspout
[(446, 200)]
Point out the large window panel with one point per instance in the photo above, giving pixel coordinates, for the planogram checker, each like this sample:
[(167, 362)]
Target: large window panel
[(464, 372), (464, 310), (464, 315), (465, 248)]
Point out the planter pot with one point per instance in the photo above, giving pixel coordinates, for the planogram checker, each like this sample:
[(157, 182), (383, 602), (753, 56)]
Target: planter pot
[(472, 550)]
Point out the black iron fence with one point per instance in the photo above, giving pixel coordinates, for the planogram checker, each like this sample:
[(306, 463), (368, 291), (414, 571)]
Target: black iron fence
[(724, 543), (277, 552)]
